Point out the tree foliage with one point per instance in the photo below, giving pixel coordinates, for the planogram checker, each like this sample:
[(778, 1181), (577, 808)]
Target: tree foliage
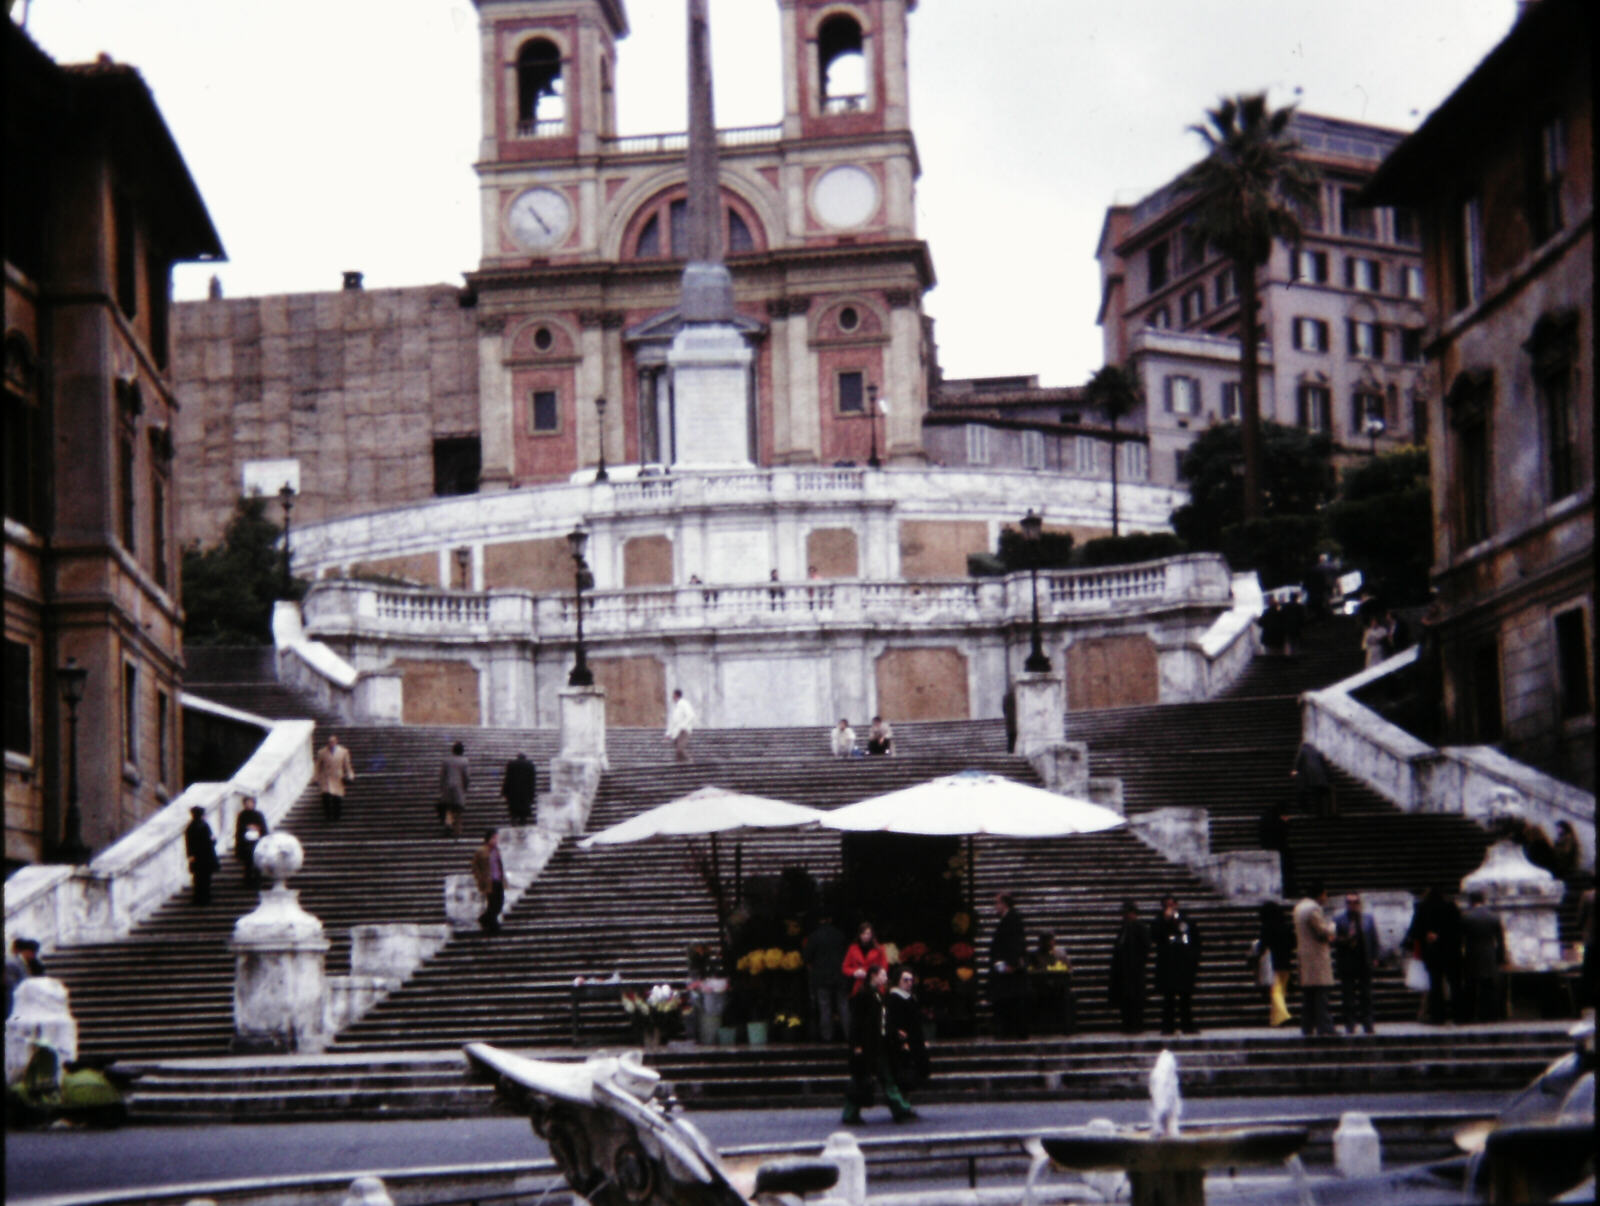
[(1115, 391), (1383, 522), (1053, 550), (1251, 187), (229, 589), (1297, 479)]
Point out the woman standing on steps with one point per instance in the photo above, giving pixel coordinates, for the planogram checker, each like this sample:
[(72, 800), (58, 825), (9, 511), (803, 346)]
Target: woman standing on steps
[(1269, 958)]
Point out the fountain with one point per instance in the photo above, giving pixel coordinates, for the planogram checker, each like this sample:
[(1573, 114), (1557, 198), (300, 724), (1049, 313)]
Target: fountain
[(1164, 1167)]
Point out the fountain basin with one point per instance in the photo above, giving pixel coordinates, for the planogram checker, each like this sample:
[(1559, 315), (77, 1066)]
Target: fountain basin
[(1171, 1170)]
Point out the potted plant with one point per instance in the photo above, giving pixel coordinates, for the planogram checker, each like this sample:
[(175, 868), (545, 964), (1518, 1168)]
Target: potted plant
[(656, 1016)]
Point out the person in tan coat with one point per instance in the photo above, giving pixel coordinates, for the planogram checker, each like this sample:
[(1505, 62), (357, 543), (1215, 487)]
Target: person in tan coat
[(331, 772), (1314, 934)]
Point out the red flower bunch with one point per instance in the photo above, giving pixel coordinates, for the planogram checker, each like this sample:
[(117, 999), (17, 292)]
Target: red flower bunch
[(914, 952), (962, 952)]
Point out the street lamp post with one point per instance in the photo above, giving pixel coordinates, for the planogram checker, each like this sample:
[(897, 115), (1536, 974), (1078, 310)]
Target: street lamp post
[(872, 417), (1374, 427), (1032, 527), (286, 497), (577, 539), (600, 474), (72, 679)]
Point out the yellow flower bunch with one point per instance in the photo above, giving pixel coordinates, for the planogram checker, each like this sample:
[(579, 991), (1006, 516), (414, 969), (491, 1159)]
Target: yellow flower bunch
[(964, 973), (774, 957), (792, 961), (961, 923), (754, 962)]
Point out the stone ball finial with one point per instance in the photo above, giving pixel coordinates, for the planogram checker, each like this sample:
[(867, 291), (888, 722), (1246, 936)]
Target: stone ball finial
[(279, 855)]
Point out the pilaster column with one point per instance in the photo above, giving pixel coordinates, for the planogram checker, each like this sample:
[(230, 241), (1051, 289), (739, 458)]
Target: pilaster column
[(496, 408)]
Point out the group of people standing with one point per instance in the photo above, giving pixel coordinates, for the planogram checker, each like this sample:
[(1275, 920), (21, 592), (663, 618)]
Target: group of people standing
[(1462, 956), (1175, 938), (1342, 949), (200, 847)]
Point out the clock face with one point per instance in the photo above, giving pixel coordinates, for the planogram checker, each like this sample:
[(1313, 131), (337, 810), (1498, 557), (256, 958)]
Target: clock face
[(845, 197), (539, 219)]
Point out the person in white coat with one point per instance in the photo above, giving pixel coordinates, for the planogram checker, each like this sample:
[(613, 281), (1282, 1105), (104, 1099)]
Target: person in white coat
[(680, 724)]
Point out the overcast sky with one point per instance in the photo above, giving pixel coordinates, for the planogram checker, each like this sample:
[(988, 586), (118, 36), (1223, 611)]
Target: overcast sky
[(335, 134)]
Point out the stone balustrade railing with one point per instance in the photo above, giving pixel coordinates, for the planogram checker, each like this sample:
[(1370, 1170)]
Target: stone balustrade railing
[(355, 606), (1418, 777), (129, 880)]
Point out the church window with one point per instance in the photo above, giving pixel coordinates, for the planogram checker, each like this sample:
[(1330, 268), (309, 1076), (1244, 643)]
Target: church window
[(1364, 339), (1312, 404), (1227, 286), (23, 454), (1406, 232), (1183, 395), (1311, 267), (1363, 273), (19, 698), (678, 225), (543, 340), (1357, 220), (541, 91), (852, 393), (649, 244), (1573, 663), (1033, 450), (739, 236), (457, 461), (1310, 335), (1467, 253), (1230, 400), (977, 444), (1468, 403), (842, 65), (130, 713), (545, 412), (1546, 171), (1554, 348), (1365, 405), (1156, 259), (849, 319)]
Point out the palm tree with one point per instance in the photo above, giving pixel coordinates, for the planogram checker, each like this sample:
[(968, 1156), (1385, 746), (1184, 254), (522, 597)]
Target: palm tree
[(1251, 187), (1114, 390)]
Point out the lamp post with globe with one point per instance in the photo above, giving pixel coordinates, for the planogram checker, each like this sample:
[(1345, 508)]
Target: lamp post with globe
[(1032, 527), (578, 540)]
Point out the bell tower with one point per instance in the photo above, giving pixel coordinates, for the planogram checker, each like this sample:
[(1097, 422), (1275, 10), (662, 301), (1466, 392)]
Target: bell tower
[(844, 67)]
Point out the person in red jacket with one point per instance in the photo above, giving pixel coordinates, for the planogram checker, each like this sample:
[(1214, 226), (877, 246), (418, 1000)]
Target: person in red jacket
[(862, 957)]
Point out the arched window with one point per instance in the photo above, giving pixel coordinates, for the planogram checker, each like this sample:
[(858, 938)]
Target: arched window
[(664, 234), (843, 66), (541, 92)]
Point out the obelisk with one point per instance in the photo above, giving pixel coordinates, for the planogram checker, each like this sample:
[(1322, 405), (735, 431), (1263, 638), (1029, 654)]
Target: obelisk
[(709, 358)]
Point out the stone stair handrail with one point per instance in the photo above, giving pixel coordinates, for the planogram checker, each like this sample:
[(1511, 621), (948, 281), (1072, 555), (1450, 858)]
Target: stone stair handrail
[(1418, 777), (126, 882), (316, 671)]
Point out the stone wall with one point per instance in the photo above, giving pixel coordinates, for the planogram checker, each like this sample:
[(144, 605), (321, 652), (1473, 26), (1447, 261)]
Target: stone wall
[(353, 385), (922, 684)]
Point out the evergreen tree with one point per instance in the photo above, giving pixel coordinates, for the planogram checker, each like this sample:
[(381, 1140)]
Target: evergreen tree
[(229, 589)]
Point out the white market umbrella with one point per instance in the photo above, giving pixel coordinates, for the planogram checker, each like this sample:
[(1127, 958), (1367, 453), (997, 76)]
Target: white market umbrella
[(710, 810), (973, 802)]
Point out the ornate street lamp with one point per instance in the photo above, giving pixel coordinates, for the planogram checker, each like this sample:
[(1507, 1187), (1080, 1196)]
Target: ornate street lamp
[(1032, 526), (600, 474), (1374, 427), (286, 497), (577, 540), (72, 678), (872, 417)]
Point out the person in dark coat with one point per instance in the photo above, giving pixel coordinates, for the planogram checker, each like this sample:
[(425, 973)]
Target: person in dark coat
[(908, 1046), (824, 951), (1275, 940), (454, 779), (1008, 709), (1177, 942), (1483, 957), (1129, 951), (1272, 833), (1294, 623), (1271, 624), (1355, 958), (519, 787), (248, 829), (869, 1053), (1312, 782), (200, 844), (1008, 971), (1435, 938)]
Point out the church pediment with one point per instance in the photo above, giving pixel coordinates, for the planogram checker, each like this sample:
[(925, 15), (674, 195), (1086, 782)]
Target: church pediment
[(664, 327)]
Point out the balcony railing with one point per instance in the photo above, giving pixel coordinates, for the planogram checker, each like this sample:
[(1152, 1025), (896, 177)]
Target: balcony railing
[(342, 608), (656, 144), (550, 128)]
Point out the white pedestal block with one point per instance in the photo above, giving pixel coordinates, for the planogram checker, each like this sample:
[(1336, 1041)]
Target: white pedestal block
[(1357, 1151), (1527, 899), (583, 723), (1040, 701), (39, 1014), (710, 366), (279, 982)]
